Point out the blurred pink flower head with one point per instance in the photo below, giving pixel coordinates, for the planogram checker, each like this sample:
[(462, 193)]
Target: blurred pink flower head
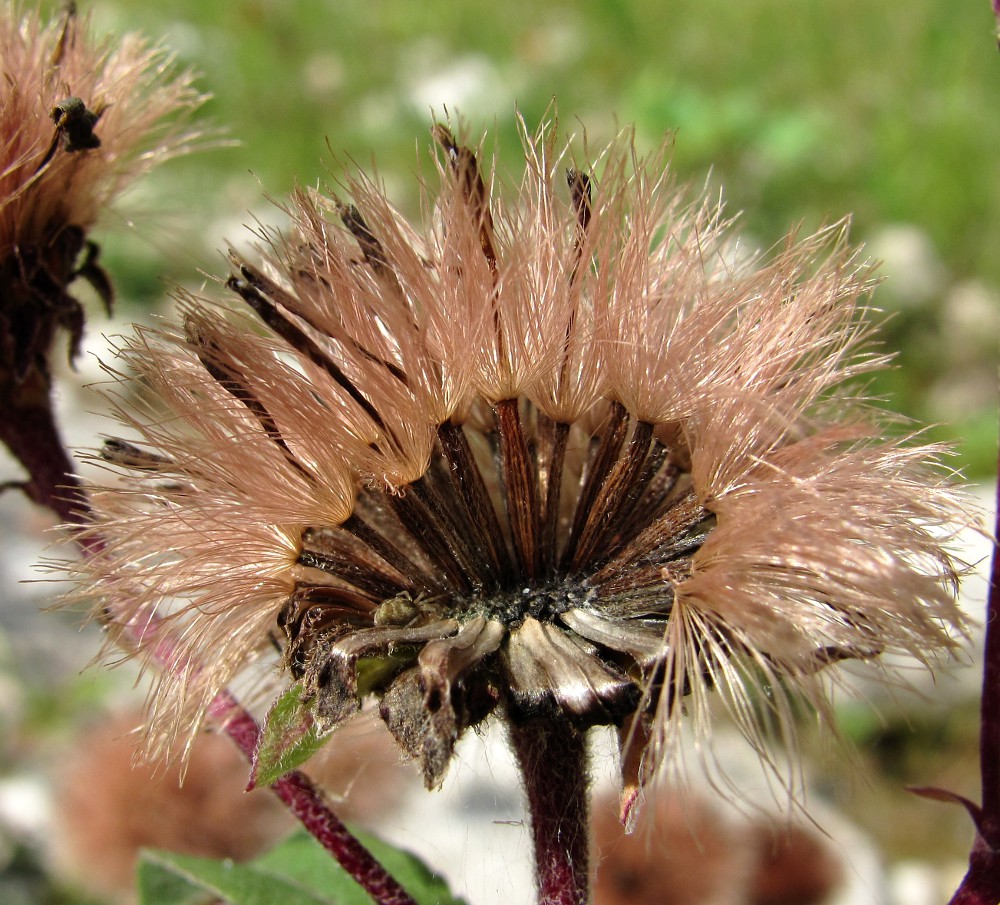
[(548, 452)]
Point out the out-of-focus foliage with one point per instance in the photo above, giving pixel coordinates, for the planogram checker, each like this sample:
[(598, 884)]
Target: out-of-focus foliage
[(297, 872)]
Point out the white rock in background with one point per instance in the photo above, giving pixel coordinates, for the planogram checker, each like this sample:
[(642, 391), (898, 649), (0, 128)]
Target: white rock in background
[(910, 264)]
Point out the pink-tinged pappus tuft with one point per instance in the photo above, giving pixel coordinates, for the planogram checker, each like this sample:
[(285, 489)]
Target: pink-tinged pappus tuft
[(547, 454)]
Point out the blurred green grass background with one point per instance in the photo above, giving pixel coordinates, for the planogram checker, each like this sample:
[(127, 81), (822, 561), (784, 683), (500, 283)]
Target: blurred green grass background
[(803, 111)]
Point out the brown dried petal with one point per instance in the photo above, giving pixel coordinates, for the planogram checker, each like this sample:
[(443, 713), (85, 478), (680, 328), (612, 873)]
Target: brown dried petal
[(445, 661), (547, 667), (425, 709), (336, 680), (642, 641)]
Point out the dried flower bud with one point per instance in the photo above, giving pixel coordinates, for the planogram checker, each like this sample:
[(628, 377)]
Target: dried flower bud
[(79, 121), (547, 455)]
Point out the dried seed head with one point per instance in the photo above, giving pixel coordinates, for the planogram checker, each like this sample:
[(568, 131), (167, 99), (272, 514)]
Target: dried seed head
[(545, 455), (78, 122)]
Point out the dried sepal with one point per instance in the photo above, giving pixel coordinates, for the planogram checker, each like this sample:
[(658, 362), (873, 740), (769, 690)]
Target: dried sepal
[(428, 707)]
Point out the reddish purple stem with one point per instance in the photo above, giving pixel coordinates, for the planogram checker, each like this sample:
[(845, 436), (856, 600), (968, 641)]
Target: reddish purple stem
[(989, 741), (28, 428), (553, 761), (981, 885), (305, 801)]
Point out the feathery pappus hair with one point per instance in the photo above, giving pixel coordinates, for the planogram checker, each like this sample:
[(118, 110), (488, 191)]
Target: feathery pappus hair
[(547, 453), (79, 121)]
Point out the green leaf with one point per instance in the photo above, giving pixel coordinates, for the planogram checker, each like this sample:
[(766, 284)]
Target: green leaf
[(160, 885), (302, 857), (427, 887), (288, 738), (210, 880), (298, 872)]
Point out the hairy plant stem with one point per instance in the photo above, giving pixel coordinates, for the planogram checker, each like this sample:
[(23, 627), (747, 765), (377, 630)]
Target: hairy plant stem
[(553, 760), (29, 430), (989, 742), (981, 885), (306, 802)]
